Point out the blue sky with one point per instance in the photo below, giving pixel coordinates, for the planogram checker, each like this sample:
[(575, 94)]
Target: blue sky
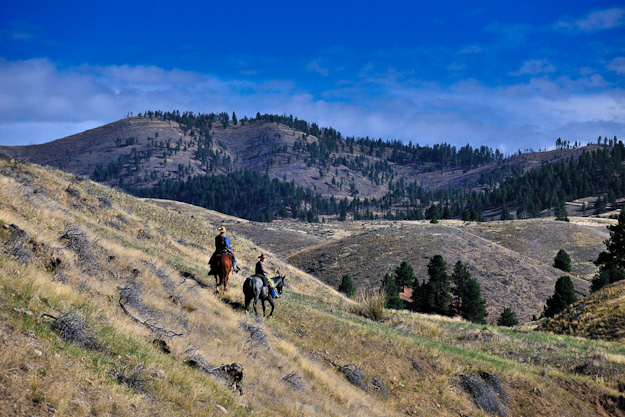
[(495, 73)]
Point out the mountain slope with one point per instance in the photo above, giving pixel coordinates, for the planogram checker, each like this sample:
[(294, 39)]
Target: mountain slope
[(144, 150), (76, 255), (601, 315), (512, 261)]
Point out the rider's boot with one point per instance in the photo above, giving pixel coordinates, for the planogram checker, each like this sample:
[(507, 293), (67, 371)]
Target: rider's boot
[(236, 268)]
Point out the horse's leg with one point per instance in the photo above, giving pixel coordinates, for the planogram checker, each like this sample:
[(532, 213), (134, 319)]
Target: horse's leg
[(270, 299), (255, 301), (226, 281), (262, 300), (247, 302)]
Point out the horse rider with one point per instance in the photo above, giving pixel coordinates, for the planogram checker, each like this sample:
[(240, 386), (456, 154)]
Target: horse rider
[(261, 271), (222, 244)]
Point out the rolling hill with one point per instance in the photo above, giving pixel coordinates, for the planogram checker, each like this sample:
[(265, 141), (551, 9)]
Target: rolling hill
[(143, 150), (512, 260), (105, 309)]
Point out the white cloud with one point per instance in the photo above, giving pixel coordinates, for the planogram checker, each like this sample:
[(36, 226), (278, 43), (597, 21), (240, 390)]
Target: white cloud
[(599, 20), (474, 49), (454, 66), (42, 102), (318, 65), (535, 67), (617, 65)]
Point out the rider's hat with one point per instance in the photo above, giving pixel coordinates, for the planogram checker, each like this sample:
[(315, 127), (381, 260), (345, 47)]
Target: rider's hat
[(222, 229), (262, 256)]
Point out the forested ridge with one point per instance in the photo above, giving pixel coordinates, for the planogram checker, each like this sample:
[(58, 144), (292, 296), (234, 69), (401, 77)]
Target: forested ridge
[(245, 194), (216, 179), (253, 196)]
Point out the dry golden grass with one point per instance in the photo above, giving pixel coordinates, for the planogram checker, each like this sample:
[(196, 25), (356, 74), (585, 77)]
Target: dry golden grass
[(409, 364), (598, 316)]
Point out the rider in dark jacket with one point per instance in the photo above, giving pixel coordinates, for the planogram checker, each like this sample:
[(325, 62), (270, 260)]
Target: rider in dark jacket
[(261, 271)]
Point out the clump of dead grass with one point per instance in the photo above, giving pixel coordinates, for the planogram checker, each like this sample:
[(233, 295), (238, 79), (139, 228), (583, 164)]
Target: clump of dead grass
[(371, 304)]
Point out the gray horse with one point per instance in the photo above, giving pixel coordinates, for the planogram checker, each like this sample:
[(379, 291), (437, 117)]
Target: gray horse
[(254, 289)]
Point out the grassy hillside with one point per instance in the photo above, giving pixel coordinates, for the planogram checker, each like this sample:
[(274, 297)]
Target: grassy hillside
[(598, 316), (511, 260), (74, 252)]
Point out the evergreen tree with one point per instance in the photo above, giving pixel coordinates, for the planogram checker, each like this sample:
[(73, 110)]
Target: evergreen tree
[(392, 293), (469, 302), (600, 205), (611, 262), (562, 261), (447, 213), (347, 286), (234, 118), (560, 212), (404, 275), (436, 293), (432, 212), (563, 297), (505, 214), (606, 276), (507, 318), (614, 256)]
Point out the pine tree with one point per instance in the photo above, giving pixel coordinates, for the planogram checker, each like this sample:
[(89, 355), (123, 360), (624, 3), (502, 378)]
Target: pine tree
[(436, 293), (606, 277), (447, 213), (404, 275), (614, 256), (560, 212), (347, 286), (562, 261), (611, 262), (432, 212), (505, 214), (469, 302), (563, 297), (507, 318), (392, 293)]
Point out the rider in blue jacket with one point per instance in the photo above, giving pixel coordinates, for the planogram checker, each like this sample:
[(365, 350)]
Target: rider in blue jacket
[(222, 244)]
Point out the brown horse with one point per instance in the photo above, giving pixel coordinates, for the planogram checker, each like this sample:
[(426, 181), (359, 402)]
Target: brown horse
[(222, 266)]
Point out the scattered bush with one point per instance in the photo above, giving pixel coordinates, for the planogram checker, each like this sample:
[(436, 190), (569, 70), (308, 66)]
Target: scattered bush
[(562, 261), (507, 318), (73, 328), (563, 297), (347, 286), (133, 378), (484, 394)]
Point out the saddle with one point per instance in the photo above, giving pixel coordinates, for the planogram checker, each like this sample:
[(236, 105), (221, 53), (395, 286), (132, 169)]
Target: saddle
[(265, 290)]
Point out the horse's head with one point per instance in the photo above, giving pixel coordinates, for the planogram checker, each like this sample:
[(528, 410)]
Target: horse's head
[(279, 281)]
